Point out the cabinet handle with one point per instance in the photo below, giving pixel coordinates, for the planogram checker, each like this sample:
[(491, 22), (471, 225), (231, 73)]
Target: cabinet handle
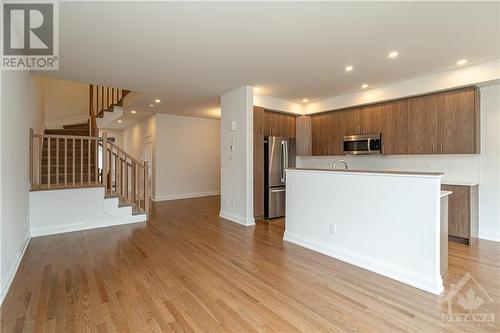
[(433, 148)]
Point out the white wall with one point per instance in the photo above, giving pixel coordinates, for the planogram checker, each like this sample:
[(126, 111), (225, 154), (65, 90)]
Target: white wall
[(279, 104), (72, 215), (387, 233), (16, 120), (65, 102), (134, 138), (482, 169), (237, 165), (114, 133), (187, 157)]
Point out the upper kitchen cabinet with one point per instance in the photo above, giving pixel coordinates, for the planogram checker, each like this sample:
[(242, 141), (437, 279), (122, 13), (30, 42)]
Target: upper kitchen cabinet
[(303, 136), (371, 120), (423, 125), (394, 118), (320, 127), (273, 123), (258, 120), (458, 121)]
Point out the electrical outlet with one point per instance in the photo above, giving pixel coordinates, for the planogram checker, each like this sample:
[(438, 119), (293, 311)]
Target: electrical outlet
[(333, 228)]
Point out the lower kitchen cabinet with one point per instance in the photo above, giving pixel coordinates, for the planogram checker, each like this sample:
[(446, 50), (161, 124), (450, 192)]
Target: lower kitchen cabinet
[(463, 222)]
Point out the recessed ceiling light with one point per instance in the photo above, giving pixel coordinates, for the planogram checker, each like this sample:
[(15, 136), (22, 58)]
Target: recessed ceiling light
[(364, 86), (305, 100), (349, 68), (157, 100), (120, 121), (152, 105), (257, 89), (462, 62), (133, 111), (393, 54)]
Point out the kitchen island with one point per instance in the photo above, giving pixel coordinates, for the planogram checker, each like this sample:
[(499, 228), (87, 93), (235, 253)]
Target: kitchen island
[(387, 222)]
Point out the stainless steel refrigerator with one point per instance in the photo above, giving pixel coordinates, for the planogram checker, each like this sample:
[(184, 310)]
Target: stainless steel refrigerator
[(279, 154)]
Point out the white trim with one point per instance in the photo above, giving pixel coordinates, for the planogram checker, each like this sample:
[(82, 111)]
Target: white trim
[(58, 123), (489, 235), (9, 278), (247, 222), (70, 227), (415, 279), (185, 196)]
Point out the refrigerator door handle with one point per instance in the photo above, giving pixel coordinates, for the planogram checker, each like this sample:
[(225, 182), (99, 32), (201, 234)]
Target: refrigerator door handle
[(283, 163)]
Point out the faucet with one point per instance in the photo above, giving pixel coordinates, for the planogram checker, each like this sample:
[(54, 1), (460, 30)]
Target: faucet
[(339, 161)]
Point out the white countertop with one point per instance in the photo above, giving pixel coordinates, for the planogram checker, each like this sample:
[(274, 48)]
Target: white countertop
[(372, 172)]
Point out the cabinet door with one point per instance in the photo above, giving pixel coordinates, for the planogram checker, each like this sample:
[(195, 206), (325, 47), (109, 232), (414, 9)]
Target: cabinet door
[(394, 116), (319, 134), (258, 120), (303, 136), (258, 175), (458, 211), (289, 125), (274, 123), (457, 119), (422, 125), (334, 137), (371, 122)]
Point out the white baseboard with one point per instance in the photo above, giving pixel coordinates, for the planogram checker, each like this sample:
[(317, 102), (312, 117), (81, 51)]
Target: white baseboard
[(237, 219), (429, 283), (489, 235), (4, 289), (185, 196), (63, 228)]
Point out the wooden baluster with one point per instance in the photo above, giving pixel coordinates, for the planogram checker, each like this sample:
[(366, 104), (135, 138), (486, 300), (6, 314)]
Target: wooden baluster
[(65, 162), (102, 99), (73, 162), (40, 159), (126, 179), (96, 161), (81, 161), (105, 160), (116, 172), (57, 161), (97, 100), (48, 162), (146, 188), (88, 161), (31, 158), (133, 183), (107, 99)]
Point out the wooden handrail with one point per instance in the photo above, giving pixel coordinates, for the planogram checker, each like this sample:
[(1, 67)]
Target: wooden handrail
[(102, 98), (121, 174)]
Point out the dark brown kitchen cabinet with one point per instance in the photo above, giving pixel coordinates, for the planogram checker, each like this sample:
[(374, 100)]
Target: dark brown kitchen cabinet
[(289, 126), (320, 125), (458, 121), (274, 123), (423, 135), (371, 120), (394, 118), (258, 120), (303, 145), (463, 222), (258, 175)]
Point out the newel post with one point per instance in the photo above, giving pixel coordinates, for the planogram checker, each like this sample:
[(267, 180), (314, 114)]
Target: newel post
[(105, 160)]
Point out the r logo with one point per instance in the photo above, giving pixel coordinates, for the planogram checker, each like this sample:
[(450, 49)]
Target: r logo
[(34, 25)]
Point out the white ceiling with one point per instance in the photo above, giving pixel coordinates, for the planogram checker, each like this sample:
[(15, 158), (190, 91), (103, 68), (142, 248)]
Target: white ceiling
[(188, 54)]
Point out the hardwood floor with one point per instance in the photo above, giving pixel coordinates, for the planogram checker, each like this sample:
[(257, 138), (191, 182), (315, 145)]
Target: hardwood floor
[(188, 270)]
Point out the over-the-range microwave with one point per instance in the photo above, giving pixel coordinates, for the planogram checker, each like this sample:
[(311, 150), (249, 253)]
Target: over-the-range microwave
[(366, 144)]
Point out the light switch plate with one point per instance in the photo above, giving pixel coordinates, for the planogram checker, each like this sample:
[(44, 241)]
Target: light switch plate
[(233, 125)]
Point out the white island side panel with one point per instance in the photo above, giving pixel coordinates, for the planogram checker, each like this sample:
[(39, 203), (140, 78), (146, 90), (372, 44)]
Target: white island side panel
[(389, 224)]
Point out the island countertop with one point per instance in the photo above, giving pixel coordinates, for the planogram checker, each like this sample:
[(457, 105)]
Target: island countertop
[(381, 172)]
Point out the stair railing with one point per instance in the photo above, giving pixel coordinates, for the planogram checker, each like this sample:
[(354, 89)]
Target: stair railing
[(102, 98), (66, 161)]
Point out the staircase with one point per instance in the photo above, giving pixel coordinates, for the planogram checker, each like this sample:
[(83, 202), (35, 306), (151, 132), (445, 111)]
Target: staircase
[(75, 157)]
